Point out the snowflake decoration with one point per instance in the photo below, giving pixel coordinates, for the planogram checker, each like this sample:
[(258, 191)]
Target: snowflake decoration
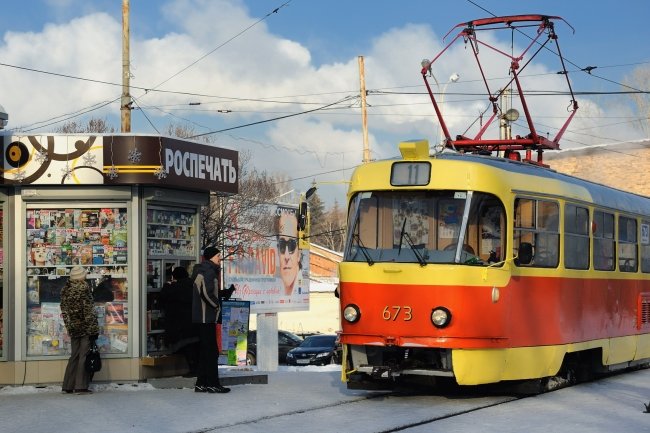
[(160, 173), (19, 176), (112, 172), (66, 171), (135, 155), (41, 156), (89, 159)]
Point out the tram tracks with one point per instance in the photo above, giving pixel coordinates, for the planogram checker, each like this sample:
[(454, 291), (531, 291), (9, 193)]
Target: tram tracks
[(377, 412), (384, 412)]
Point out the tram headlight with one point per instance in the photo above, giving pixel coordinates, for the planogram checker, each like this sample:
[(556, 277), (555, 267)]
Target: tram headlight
[(440, 317), (351, 313)]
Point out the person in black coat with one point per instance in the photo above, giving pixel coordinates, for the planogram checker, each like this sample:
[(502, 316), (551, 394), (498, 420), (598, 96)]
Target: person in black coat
[(206, 311), (104, 290), (181, 334)]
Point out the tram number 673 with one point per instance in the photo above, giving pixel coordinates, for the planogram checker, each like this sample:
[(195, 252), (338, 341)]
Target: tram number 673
[(392, 313)]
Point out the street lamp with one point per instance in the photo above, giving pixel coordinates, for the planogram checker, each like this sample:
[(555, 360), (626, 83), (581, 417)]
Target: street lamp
[(453, 78)]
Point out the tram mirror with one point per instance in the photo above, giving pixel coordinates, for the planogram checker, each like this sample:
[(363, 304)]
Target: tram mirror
[(525, 255)]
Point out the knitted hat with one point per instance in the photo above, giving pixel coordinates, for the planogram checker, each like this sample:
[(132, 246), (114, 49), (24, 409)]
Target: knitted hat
[(78, 273), (179, 272), (210, 252)]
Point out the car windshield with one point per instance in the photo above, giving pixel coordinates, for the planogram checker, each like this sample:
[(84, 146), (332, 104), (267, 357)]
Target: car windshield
[(319, 341), (286, 337)]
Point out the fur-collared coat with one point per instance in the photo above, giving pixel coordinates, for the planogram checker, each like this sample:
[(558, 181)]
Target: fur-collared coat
[(78, 309)]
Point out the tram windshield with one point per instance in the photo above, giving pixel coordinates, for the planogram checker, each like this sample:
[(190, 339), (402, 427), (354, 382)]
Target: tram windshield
[(461, 227)]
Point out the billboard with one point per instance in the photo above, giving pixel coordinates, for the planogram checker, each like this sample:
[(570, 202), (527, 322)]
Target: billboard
[(274, 273)]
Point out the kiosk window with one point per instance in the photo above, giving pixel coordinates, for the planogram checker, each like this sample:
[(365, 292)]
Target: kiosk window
[(58, 239)]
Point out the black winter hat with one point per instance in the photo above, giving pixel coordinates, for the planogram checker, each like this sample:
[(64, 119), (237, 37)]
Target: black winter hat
[(179, 272), (210, 252)]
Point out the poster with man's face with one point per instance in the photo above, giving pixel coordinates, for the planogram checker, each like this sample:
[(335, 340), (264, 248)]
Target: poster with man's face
[(274, 274)]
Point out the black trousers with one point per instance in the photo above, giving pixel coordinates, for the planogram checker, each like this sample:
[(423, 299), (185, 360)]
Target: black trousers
[(208, 366)]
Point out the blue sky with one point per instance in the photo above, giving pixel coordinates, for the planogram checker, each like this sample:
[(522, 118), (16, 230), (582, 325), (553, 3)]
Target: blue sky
[(300, 58)]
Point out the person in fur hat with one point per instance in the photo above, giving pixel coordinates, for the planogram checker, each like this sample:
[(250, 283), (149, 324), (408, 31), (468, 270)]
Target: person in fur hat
[(80, 319)]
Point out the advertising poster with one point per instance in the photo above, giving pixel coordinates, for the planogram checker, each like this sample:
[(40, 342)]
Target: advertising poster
[(234, 332), (273, 275)]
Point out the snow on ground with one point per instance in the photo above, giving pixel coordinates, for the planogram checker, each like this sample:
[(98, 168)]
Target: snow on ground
[(133, 387), (314, 399)]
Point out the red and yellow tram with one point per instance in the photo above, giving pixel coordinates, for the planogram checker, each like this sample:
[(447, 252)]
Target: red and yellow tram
[(485, 269)]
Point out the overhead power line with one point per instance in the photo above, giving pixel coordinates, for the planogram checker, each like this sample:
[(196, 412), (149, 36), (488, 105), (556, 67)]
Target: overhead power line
[(66, 117), (347, 98), (274, 11)]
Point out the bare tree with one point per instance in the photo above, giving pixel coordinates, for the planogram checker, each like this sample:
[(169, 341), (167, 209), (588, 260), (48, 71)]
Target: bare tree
[(332, 233), (186, 130), (235, 223), (94, 126), (238, 222), (282, 182)]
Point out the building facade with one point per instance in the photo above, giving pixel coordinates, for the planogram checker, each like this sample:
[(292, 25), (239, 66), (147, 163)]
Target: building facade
[(625, 166)]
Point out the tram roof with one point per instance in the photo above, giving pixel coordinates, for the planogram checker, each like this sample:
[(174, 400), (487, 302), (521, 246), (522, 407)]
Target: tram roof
[(601, 195)]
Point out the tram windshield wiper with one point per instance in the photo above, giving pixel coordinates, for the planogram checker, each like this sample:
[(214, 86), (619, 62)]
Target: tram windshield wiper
[(363, 249), (401, 236), (404, 235)]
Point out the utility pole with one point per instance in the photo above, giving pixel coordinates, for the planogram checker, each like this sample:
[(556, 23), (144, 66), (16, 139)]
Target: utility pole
[(364, 114), (125, 101)]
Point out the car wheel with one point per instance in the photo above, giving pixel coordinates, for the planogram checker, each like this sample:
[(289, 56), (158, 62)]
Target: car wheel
[(250, 359)]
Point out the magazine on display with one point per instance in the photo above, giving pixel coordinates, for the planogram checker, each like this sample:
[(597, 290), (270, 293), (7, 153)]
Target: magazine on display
[(57, 240), (170, 232)]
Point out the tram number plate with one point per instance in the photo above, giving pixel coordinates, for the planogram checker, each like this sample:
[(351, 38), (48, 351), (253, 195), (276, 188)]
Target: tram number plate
[(394, 312)]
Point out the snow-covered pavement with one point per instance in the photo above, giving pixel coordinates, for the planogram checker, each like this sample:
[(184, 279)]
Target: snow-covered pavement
[(314, 399)]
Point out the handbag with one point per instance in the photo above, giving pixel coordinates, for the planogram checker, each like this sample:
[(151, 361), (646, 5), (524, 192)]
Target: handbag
[(93, 360)]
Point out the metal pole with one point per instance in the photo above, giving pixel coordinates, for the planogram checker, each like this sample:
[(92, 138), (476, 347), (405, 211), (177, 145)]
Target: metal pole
[(441, 141), (364, 114), (125, 102)]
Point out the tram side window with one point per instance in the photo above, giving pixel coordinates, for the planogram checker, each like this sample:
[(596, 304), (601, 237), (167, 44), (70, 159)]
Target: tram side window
[(645, 246), (603, 241), (627, 251), (576, 237), (537, 230)]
